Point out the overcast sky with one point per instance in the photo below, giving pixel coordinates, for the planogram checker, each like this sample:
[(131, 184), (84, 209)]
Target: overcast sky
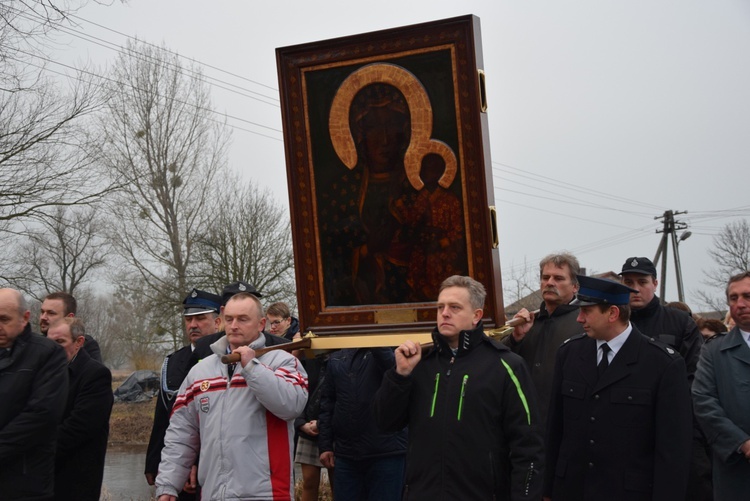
[(602, 115)]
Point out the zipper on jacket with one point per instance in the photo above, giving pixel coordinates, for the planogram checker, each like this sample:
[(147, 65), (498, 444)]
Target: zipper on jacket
[(461, 398), (434, 394), (450, 366)]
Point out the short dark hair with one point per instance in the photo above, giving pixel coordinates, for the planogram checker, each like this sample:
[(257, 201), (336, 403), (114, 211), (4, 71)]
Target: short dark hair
[(477, 292), (712, 324), (279, 309), (69, 302), (736, 278), (563, 258), (623, 309), (679, 305)]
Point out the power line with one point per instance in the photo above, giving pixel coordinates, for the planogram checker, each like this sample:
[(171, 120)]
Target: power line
[(571, 202), (120, 84), (178, 55), (573, 187), (207, 78)]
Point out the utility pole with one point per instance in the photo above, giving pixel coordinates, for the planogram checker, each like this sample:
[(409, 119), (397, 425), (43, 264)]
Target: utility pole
[(670, 228)]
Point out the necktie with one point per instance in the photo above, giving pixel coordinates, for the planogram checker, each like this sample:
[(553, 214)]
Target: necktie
[(230, 370), (604, 363)]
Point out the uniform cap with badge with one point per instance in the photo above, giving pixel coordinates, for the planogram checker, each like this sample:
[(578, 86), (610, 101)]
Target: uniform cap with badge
[(199, 302), (641, 265), (237, 287), (601, 291)]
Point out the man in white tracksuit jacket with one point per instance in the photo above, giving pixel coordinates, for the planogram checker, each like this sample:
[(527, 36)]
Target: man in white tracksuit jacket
[(239, 420)]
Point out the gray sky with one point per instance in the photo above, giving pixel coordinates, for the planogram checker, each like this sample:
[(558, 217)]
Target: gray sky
[(602, 115)]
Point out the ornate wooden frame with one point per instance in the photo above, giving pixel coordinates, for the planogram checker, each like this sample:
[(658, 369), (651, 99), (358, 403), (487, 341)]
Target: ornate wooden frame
[(343, 125)]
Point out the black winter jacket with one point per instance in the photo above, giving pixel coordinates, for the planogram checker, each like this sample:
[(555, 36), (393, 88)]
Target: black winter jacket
[(473, 422), (673, 327), (539, 348), (346, 421), (33, 389)]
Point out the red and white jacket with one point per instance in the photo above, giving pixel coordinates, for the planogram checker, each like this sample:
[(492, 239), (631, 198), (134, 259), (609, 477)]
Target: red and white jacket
[(242, 429)]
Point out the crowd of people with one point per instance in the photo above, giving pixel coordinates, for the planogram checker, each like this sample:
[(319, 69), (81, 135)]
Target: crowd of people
[(603, 393)]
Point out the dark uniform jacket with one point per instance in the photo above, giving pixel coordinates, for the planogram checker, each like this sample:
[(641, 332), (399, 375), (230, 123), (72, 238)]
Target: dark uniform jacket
[(473, 422), (673, 327), (539, 348), (82, 436), (721, 392), (33, 387), (174, 369), (626, 436)]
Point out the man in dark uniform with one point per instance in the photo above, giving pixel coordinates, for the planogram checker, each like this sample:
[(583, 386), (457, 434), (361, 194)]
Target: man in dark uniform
[(201, 319), (620, 424), (677, 329)]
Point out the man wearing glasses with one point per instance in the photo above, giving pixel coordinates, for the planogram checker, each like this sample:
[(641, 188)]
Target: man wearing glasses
[(280, 322)]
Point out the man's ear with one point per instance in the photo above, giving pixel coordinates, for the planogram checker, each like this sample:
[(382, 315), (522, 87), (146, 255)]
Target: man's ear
[(71, 315), (477, 316)]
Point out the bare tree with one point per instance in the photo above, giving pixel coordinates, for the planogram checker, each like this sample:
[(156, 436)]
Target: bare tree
[(130, 329), (250, 239), (62, 252), (43, 158), (521, 289), (161, 141), (731, 255)]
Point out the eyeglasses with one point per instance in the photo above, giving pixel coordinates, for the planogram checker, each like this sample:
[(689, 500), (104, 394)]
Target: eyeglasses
[(274, 323)]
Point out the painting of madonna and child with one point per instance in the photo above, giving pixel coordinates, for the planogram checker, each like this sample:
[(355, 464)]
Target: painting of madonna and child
[(389, 191)]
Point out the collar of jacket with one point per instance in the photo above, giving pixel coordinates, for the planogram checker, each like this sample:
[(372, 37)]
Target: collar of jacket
[(647, 310), (559, 311), (467, 340)]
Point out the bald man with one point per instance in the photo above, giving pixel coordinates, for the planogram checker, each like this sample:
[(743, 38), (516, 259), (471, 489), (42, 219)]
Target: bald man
[(34, 385)]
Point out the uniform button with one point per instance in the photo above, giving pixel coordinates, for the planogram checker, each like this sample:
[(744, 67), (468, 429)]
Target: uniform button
[(591, 465), (630, 397), (596, 397), (571, 390), (537, 364), (593, 419), (591, 442)]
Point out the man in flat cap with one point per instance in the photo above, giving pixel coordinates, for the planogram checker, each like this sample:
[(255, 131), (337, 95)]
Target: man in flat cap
[(669, 325), (620, 423), (677, 329), (201, 313)]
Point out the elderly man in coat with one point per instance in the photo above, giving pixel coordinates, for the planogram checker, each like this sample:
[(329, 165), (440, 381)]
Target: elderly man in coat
[(721, 392)]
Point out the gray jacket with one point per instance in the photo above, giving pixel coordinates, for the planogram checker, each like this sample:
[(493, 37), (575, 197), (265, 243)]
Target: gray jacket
[(242, 427), (721, 394)]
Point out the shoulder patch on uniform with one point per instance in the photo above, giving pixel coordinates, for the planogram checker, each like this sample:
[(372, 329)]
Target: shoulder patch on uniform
[(663, 347), (575, 338)]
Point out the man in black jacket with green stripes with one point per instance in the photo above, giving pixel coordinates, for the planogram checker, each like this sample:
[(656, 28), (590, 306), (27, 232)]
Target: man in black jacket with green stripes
[(470, 406)]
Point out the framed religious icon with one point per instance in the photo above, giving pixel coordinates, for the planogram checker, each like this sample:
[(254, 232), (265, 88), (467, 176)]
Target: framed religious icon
[(389, 172)]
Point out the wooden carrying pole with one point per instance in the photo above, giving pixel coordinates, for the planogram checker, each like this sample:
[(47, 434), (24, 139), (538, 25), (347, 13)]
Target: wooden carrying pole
[(325, 343)]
